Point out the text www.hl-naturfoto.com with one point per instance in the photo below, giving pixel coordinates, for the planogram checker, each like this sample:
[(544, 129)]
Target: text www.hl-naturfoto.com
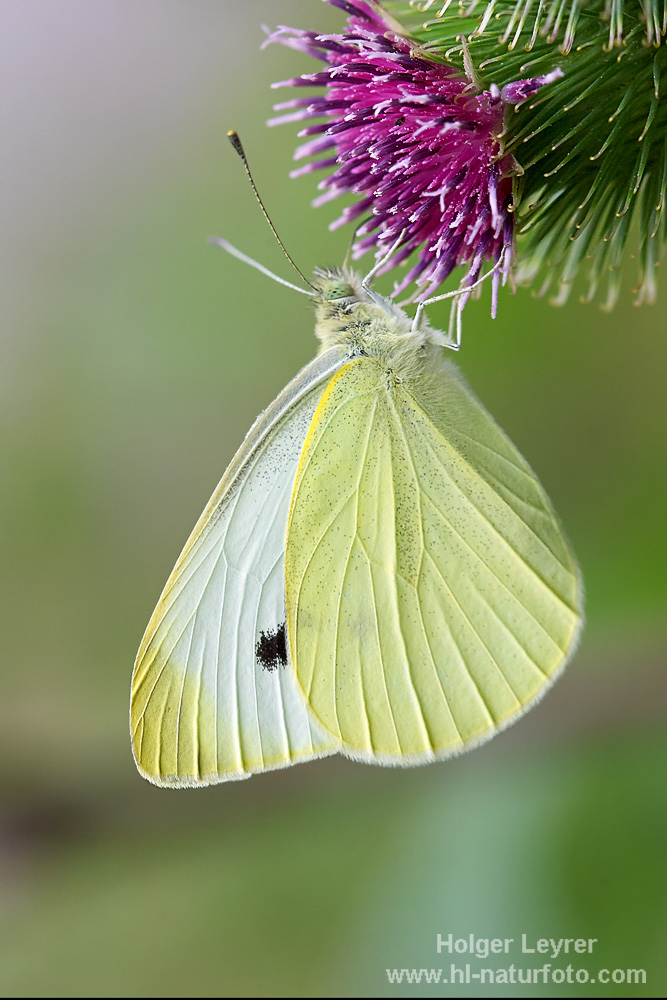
[(512, 974)]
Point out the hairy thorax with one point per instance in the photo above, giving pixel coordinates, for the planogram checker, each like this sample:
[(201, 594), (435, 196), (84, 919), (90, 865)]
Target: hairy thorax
[(354, 316)]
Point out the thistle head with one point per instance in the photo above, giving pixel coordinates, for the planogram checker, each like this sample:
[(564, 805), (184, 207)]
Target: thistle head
[(419, 141), (443, 127)]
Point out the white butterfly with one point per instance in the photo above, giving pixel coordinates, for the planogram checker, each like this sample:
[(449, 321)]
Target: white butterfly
[(379, 572)]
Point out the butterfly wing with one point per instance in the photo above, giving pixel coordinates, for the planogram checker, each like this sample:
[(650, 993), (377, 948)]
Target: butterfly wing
[(431, 595), (214, 695)]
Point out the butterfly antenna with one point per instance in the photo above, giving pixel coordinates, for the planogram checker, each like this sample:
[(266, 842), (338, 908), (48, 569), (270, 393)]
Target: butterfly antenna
[(233, 137), (230, 248)]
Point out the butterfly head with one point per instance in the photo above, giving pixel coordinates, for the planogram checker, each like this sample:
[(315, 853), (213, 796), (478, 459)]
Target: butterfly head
[(347, 309), (336, 288)]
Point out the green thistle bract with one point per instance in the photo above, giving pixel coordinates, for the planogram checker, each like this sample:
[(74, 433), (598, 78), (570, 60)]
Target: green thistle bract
[(593, 145)]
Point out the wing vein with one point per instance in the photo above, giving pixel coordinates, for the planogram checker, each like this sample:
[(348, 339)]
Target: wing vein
[(481, 479), (421, 561), (180, 697), (463, 659), (422, 547), (504, 540), (501, 620), (369, 430)]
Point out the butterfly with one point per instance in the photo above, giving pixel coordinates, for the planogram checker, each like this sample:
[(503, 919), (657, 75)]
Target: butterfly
[(378, 574)]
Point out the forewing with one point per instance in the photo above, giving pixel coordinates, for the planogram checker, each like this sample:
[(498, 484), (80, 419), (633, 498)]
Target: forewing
[(431, 595), (214, 694)]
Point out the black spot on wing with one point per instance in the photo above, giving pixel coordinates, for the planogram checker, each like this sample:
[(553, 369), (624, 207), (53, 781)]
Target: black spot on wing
[(271, 648)]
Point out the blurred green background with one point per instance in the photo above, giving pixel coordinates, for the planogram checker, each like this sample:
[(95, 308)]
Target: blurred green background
[(135, 357)]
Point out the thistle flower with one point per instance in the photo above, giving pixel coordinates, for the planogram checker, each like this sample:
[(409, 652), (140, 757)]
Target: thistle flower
[(418, 140), (593, 146)]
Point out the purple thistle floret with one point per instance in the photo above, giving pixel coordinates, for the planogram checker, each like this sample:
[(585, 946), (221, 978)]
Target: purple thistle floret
[(418, 141)]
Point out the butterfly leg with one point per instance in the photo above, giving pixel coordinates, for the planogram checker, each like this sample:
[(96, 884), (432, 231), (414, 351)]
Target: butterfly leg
[(459, 296), (377, 266)]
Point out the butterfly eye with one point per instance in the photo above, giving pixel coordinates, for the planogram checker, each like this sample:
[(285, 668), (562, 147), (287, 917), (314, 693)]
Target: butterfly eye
[(338, 289)]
